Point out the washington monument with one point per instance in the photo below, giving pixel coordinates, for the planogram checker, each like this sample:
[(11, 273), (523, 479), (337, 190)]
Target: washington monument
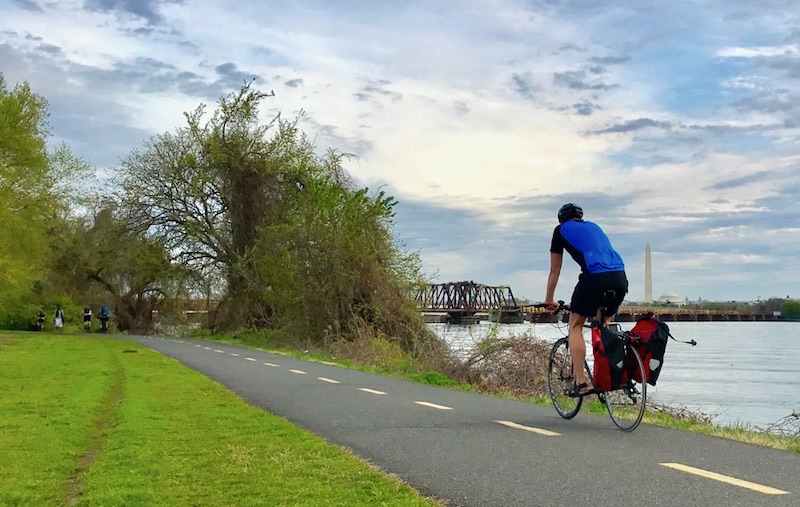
[(648, 276)]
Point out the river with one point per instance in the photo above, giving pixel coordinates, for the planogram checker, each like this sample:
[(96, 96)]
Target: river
[(740, 373)]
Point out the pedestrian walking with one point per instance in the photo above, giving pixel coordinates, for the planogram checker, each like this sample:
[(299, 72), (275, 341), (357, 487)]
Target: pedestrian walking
[(58, 318)]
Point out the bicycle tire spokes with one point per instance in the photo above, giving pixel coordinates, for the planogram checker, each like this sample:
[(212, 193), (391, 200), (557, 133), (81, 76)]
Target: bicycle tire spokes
[(626, 405), (560, 380)]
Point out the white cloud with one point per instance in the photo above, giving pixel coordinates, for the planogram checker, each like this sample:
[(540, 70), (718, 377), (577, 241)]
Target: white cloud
[(760, 52), (478, 105)]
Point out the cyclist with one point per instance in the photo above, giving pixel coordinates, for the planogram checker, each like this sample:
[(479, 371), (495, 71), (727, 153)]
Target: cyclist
[(104, 318), (602, 270), (87, 318)]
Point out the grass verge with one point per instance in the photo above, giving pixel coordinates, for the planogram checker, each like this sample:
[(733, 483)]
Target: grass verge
[(99, 421)]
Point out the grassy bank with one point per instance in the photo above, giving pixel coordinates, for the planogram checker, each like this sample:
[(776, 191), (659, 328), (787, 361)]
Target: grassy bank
[(95, 421)]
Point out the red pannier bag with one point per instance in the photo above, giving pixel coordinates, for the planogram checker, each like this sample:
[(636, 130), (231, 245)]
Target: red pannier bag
[(608, 371), (650, 336)]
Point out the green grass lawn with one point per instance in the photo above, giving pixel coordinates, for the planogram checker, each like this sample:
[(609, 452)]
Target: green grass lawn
[(101, 421)]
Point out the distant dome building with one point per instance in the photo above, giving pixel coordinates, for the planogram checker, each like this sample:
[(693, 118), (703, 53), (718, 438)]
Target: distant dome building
[(671, 298)]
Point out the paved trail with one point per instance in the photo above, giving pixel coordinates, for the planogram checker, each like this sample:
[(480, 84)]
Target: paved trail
[(482, 451)]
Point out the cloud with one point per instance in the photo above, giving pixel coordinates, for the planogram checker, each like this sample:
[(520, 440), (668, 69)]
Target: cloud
[(29, 5), (790, 50), (523, 84), (580, 80), (482, 118), (149, 10), (375, 88), (633, 125)]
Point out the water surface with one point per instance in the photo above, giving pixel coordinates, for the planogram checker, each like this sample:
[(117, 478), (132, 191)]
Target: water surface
[(745, 373)]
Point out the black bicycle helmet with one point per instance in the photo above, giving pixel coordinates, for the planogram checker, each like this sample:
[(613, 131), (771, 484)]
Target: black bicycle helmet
[(569, 211)]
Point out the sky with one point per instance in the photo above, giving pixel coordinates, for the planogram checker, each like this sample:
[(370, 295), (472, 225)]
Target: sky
[(671, 123)]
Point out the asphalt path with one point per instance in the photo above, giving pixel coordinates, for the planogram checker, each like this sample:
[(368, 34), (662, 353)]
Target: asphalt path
[(483, 451)]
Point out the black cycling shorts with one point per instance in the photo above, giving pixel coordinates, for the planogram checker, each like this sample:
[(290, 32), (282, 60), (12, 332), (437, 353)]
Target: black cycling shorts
[(588, 294)]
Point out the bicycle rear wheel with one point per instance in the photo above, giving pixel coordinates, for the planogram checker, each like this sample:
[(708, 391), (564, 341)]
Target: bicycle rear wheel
[(626, 405), (560, 379)]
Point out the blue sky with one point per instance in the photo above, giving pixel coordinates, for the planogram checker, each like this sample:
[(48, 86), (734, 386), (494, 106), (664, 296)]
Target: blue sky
[(673, 123)]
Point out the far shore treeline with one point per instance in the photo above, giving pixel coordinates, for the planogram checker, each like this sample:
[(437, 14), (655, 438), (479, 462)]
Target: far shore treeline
[(228, 209)]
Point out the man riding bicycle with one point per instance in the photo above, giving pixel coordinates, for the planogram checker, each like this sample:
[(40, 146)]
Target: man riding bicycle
[(104, 318), (602, 270)]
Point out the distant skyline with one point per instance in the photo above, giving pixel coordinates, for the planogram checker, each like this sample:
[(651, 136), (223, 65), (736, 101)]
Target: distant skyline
[(672, 123)]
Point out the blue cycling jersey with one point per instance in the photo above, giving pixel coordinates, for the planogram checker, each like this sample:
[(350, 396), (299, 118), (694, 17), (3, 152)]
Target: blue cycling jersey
[(588, 245)]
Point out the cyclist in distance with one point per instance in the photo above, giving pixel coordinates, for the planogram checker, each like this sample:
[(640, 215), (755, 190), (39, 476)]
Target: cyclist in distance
[(104, 318), (602, 270)]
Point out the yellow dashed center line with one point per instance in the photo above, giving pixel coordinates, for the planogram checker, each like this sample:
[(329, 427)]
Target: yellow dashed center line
[(532, 429), (433, 405), (370, 391), (328, 380), (726, 479)]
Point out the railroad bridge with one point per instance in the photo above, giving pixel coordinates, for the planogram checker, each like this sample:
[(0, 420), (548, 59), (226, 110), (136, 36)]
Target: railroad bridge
[(462, 301)]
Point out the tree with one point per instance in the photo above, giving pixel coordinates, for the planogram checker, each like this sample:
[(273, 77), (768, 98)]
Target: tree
[(791, 309), (104, 259), (25, 202), (298, 244)]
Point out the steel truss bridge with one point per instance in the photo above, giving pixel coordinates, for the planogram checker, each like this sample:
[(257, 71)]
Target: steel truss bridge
[(460, 300)]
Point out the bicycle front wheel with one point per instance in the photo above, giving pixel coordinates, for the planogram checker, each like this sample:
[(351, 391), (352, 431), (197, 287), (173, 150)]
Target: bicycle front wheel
[(560, 379), (626, 405)]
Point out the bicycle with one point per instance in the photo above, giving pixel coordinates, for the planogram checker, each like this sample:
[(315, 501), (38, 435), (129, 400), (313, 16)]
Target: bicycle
[(625, 404)]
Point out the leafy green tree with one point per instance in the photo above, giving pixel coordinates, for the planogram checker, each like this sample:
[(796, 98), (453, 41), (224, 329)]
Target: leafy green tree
[(104, 260), (298, 244), (38, 190), (791, 309), (25, 202)]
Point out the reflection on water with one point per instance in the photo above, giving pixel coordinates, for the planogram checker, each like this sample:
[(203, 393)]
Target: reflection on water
[(744, 373)]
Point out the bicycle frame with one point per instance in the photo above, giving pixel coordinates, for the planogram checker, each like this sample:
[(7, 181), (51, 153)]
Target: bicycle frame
[(625, 403)]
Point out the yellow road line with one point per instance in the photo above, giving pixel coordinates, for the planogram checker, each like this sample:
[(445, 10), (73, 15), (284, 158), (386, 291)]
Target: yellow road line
[(532, 429), (432, 405), (726, 479)]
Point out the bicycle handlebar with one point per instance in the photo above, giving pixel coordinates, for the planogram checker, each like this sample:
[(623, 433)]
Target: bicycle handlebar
[(562, 307)]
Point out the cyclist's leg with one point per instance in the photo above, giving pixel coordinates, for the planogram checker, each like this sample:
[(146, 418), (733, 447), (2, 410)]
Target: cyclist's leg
[(584, 304), (577, 347)]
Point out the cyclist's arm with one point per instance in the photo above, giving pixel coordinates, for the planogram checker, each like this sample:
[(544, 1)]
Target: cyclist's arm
[(556, 260)]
